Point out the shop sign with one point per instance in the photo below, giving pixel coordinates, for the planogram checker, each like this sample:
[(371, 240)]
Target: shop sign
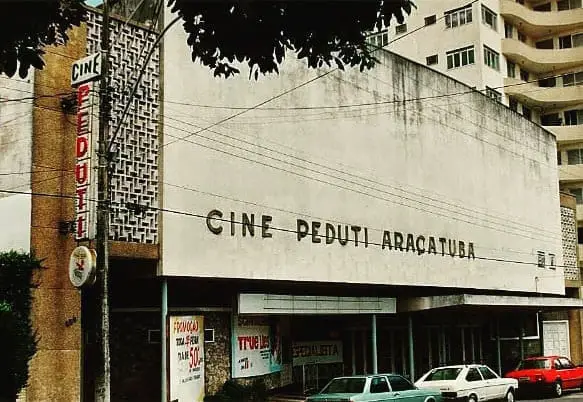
[(186, 358), (82, 266), (256, 346), (86, 69), (84, 177), (319, 352)]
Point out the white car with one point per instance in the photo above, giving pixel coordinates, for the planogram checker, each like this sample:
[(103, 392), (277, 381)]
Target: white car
[(469, 382)]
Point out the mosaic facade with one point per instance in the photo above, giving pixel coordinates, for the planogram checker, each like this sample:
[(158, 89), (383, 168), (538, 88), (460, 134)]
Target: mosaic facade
[(134, 176)]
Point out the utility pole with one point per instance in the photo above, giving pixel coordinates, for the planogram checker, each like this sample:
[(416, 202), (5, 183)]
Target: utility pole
[(102, 368)]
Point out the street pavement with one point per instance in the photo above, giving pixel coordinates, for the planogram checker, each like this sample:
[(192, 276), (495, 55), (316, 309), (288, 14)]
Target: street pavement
[(567, 396)]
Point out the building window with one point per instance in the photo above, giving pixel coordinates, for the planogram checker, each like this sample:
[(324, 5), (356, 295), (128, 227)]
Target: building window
[(543, 7), (526, 112), (578, 194), (458, 17), (572, 79), (489, 18), (430, 20), (521, 37), (547, 82), (564, 5), (544, 44), (573, 117), (460, 57), (401, 29), (551, 119), (513, 104), (431, 60), (524, 75), (541, 259), (575, 157), (492, 93), (491, 58), (508, 29), (559, 162), (580, 235), (379, 39), (510, 69), (569, 41)]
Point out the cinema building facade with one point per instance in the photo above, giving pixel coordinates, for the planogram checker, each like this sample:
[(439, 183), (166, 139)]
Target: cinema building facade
[(390, 220)]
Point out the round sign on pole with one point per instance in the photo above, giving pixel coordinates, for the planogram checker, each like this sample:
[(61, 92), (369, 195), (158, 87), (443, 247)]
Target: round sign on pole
[(82, 267)]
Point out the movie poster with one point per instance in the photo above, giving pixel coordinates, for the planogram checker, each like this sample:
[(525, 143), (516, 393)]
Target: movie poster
[(256, 348), (186, 358)]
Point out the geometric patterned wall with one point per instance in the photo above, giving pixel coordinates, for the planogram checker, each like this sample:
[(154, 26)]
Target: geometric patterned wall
[(134, 178), (569, 230)]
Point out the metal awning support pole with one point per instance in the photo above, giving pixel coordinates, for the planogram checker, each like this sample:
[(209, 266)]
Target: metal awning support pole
[(353, 349), (163, 338), (375, 366), (411, 351), (521, 341), (498, 348)]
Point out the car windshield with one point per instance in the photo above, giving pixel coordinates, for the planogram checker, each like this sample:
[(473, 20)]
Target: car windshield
[(345, 386), (444, 374), (534, 364)]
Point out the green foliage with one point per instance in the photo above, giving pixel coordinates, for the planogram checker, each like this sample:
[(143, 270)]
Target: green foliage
[(17, 338), (260, 32), (220, 33), (27, 26)]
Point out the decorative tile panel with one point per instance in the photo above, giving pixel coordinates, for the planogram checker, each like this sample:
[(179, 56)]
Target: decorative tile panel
[(569, 229), (134, 178)]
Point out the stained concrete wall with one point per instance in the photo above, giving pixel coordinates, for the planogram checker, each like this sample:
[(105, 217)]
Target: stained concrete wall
[(15, 161), (421, 154)]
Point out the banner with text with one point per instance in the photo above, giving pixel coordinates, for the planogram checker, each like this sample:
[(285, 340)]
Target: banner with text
[(256, 346), (319, 352), (186, 356)]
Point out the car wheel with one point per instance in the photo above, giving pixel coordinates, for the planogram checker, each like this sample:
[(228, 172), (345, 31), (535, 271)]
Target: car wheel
[(472, 398), (557, 389), (509, 396)]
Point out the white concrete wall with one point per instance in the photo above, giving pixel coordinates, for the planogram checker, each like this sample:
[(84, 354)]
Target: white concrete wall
[(15, 162), (16, 221), (460, 167), (15, 133)]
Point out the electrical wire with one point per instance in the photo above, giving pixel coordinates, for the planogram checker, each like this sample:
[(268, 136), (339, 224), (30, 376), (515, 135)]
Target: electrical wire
[(343, 187), (294, 232), (410, 194)]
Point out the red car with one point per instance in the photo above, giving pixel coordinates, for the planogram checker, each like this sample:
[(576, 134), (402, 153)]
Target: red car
[(549, 373)]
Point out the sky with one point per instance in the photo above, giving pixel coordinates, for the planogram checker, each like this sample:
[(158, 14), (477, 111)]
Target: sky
[(93, 2)]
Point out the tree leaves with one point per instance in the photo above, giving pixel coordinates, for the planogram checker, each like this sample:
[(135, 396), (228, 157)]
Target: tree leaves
[(258, 33), (27, 26), (18, 340)]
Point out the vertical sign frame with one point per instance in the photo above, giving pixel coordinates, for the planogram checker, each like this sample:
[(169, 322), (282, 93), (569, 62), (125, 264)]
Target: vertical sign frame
[(185, 358), (85, 154)]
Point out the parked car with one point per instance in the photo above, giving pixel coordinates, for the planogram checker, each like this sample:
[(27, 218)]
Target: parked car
[(547, 373), (381, 387), (471, 383)]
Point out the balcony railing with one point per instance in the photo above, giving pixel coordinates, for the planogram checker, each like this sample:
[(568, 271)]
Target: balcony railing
[(541, 60), (540, 23), (567, 134), (531, 93), (570, 173)]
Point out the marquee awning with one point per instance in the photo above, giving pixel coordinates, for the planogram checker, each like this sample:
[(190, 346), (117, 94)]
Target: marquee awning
[(488, 302)]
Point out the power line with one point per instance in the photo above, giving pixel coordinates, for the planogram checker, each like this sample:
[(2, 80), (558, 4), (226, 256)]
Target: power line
[(364, 178), (137, 83), (291, 231), (304, 214), (295, 173)]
